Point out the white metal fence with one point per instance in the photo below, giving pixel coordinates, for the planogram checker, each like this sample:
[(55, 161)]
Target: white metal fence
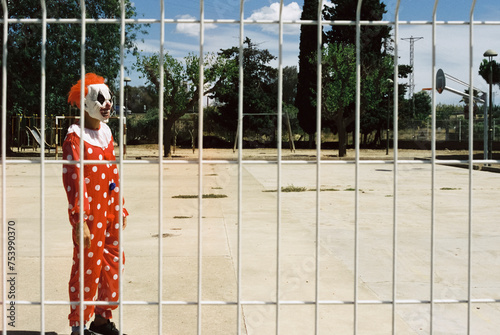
[(279, 310)]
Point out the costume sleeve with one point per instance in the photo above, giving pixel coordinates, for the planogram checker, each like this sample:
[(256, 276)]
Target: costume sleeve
[(71, 180)]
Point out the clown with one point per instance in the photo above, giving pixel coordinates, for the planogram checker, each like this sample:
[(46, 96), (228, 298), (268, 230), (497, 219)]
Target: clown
[(101, 210)]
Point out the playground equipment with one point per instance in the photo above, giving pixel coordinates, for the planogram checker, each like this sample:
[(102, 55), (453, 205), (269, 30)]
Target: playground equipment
[(35, 134)]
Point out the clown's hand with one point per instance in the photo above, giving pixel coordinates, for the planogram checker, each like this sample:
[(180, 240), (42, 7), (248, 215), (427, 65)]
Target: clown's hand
[(86, 235)]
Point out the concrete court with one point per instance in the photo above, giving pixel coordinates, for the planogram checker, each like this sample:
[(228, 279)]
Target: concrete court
[(258, 248)]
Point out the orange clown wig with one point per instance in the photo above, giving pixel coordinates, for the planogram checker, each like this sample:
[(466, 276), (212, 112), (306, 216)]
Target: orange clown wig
[(74, 93)]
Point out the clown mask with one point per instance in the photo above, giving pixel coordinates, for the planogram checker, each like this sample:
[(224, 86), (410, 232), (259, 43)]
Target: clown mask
[(98, 102)]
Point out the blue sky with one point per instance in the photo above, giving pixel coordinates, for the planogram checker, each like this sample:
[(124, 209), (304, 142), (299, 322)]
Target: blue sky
[(452, 48)]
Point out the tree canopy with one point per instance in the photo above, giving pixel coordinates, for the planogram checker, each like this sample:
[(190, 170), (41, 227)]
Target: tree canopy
[(259, 80), (485, 69)]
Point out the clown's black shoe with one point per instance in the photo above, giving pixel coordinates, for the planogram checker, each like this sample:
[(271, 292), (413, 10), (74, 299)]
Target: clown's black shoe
[(105, 329)]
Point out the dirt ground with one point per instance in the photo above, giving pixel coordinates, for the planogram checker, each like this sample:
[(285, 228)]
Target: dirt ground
[(150, 152)]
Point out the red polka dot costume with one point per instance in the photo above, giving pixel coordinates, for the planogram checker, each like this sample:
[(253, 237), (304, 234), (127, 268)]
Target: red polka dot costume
[(101, 213)]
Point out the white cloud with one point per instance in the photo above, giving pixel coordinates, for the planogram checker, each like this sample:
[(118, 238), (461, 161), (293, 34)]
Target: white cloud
[(191, 29), (291, 11)]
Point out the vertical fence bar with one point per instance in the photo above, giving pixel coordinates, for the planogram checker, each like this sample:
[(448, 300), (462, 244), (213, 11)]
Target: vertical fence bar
[(42, 168), (319, 91), (395, 168), (240, 162), (471, 166), (160, 170), (200, 161), (433, 168), (279, 168), (82, 161), (122, 117), (356, 181), (4, 167)]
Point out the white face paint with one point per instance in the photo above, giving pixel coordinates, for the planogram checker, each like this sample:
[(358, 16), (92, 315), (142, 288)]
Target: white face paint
[(98, 102)]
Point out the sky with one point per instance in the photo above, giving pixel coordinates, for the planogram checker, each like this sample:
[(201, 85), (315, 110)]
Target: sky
[(452, 41)]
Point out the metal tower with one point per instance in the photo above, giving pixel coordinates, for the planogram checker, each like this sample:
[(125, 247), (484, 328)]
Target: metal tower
[(411, 88)]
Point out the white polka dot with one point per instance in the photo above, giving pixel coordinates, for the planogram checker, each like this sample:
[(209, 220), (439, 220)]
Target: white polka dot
[(117, 189), (112, 200), (98, 206), (115, 259), (114, 294), (70, 158), (70, 206), (87, 289), (74, 307), (65, 170), (90, 150), (99, 286), (97, 187), (107, 268), (115, 243), (117, 207), (91, 236), (89, 272), (98, 262), (107, 234), (105, 195), (68, 188), (94, 168), (76, 195), (115, 171), (100, 157), (99, 244), (109, 202), (97, 280), (117, 226), (74, 176), (115, 277), (91, 254), (87, 180), (90, 199), (103, 176), (72, 289), (91, 218), (99, 225)]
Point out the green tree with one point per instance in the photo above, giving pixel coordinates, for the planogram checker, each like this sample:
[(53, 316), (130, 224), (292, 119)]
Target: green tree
[(290, 80), (307, 77), (376, 64), (339, 90), (24, 45), (181, 90), (259, 95), (484, 71), (138, 97)]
